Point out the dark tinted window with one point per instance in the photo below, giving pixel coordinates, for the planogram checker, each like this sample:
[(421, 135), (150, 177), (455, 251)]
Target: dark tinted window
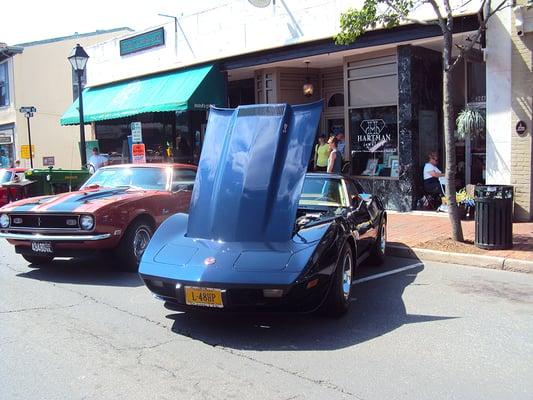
[(183, 175), (183, 179)]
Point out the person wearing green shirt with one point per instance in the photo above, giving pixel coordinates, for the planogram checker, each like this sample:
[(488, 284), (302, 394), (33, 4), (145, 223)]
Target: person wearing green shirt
[(322, 151)]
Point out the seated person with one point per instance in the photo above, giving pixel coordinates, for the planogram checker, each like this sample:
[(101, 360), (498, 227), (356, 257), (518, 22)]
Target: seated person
[(433, 177)]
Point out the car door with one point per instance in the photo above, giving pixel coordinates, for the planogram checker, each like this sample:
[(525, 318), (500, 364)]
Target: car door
[(360, 217)]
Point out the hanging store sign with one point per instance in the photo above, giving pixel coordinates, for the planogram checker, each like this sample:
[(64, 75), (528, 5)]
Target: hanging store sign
[(374, 129), (136, 132), (142, 42), (138, 153)]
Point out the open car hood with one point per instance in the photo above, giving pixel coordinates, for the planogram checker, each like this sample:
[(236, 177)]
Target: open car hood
[(251, 172)]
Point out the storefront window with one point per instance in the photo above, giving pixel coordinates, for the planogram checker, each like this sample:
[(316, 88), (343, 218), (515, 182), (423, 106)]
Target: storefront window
[(6, 147), (374, 136), (373, 119), (475, 78), (4, 85)]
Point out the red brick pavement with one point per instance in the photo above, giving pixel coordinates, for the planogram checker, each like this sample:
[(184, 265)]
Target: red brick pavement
[(416, 228)]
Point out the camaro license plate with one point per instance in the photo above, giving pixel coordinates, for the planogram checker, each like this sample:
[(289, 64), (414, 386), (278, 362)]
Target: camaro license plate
[(206, 297), (42, 247)]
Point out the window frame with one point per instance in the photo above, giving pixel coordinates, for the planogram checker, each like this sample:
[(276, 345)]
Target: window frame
[(7, 81), (372, 60)]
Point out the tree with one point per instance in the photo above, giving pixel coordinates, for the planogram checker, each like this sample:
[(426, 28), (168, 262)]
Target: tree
[(391, 13)]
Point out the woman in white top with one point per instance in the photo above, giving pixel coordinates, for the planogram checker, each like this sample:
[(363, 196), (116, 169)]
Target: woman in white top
[(432, 175)]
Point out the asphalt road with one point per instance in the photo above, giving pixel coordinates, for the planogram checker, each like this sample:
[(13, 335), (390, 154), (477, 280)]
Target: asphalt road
[(80, 330)]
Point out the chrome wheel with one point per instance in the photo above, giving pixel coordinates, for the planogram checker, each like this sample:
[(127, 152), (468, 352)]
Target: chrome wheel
[(140, 241), (383, 238), (347, 275)]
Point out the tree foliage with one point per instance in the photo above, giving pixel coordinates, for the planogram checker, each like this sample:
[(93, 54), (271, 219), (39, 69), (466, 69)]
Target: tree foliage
[(374, 13)]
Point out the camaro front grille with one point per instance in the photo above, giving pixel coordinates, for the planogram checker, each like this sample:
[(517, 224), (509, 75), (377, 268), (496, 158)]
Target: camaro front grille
[(44, 221)]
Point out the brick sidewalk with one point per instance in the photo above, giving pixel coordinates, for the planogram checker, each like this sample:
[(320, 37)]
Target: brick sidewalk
[(424, 229)]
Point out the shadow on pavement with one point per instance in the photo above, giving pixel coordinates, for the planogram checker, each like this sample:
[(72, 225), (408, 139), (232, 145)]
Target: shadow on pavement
[(377, 309), (88, 271)]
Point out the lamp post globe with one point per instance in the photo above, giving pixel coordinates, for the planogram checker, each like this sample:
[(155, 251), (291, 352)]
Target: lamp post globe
[(78, 59)]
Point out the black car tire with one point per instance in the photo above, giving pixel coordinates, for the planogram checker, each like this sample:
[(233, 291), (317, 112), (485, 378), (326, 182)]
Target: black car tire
[(38, 260), (130, 256), (337, 301), (377, 254)]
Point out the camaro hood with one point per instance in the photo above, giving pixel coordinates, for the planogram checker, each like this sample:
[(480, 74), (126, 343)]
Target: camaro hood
[(251, 172), (80, 201)]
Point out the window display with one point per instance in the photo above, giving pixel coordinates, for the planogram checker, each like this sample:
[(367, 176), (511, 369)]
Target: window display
[(374, 136)]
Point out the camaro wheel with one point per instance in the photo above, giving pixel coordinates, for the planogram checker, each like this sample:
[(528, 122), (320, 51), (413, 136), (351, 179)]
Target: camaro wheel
[(38, 260), (377, 255), (133, 244), (338, 298)]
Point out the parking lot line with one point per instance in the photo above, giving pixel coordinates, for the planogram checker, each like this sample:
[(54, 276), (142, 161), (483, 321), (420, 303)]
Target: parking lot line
[(387, 273)]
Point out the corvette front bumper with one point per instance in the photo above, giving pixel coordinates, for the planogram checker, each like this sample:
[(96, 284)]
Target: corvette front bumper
[(297, 297)]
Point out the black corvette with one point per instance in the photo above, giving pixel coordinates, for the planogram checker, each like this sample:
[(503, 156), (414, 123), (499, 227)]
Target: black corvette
[(260, 233)]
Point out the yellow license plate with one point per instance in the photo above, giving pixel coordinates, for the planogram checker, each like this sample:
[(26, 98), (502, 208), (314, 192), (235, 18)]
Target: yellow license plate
[(206, 297)]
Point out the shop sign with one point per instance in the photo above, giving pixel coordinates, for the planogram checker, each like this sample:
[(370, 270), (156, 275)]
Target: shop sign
[(6, 137), (202, 106), (142, 42), (136, 132), (49, 161), (521, 128), (138, 153), (25, 151), (374, 129)]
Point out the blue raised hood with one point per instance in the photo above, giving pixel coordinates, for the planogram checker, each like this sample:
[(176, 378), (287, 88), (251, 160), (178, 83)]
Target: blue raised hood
[(251, 171)]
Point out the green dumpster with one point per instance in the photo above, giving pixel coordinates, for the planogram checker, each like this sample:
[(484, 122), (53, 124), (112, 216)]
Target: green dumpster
[(52, 181)]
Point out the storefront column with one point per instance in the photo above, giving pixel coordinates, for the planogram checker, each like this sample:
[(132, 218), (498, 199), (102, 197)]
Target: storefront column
[(498, 64)]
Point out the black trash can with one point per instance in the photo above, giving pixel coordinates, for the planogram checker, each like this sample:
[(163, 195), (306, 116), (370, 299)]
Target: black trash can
[(494, 217)]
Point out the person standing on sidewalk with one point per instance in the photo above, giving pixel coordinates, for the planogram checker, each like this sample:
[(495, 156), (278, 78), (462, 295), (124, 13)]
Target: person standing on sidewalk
[(322, 151), (335, 159), (340, 144)]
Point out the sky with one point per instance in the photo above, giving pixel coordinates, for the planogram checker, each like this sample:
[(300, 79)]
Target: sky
[(31, 20)]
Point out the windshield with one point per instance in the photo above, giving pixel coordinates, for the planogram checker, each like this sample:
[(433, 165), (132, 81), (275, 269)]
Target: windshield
[(5, 176), (322, 191), (143, 178)]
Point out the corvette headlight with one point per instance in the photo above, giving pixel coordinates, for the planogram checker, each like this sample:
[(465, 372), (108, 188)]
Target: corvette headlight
[(4, 221), (87, 222)]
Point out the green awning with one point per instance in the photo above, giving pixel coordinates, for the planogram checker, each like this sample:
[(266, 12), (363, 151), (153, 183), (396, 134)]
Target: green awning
[(189, 89)]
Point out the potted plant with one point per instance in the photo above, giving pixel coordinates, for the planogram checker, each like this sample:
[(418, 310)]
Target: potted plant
[(470, 122)]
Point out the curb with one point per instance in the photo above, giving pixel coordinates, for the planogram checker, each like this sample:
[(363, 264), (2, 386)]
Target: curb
[(473, 260)]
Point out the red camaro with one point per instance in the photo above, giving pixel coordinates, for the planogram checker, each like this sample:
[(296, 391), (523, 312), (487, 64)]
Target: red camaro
[(118, 209), (7, 177)]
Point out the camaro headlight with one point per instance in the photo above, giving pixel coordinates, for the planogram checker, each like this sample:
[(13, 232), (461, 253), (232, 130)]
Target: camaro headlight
[(4, 221), (87, 222)]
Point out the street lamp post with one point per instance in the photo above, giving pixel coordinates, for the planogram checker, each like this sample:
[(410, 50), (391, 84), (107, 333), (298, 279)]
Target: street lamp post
[(78, 59), (28, 113)]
